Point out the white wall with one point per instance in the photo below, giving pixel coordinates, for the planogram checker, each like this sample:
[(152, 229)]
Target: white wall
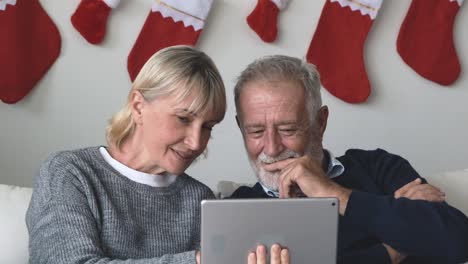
[(406, 114)]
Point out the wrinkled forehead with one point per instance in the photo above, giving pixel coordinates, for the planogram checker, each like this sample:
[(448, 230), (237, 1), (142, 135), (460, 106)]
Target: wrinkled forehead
[(274, 95), (272, 103)]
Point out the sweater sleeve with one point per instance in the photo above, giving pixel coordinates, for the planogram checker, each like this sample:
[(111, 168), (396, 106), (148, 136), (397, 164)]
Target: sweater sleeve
[(370, 255), (415, 227), (63, 228)]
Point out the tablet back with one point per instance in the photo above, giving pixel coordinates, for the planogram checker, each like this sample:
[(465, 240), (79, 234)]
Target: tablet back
[(308, 227)]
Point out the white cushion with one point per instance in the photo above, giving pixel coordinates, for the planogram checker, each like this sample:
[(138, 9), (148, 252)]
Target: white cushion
[(226, 188), (454, 184), (14, 202)]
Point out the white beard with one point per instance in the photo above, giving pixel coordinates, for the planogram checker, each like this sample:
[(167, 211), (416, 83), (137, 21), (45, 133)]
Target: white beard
[(270, 179)]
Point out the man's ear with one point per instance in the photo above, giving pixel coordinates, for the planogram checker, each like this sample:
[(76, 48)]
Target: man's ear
[(137, 102), (322, 119)]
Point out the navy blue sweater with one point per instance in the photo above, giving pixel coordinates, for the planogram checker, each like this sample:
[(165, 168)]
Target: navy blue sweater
[(428, 232)]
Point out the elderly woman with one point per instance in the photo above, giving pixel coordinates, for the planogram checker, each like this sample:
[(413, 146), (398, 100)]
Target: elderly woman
[(131, 202)]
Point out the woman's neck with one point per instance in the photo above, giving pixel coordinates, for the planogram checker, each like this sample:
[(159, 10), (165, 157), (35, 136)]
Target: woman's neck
[(135, 156)]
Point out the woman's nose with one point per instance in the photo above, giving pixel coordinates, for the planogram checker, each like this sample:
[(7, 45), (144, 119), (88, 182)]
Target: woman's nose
[(193, 139)]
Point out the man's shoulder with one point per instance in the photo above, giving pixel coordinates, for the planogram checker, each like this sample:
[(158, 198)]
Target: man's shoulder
[(366, 155), (255, 191), (358, 161), (354, 152)]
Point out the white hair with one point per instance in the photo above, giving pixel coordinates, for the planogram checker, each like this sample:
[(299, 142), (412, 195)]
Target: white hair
[(283, 68)]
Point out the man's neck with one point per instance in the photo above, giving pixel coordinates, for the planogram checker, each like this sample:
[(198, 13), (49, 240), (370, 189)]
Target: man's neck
[(325, 160)]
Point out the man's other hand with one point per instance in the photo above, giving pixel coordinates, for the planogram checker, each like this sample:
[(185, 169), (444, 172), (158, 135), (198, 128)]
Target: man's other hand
[(416, 190), (395, 256)]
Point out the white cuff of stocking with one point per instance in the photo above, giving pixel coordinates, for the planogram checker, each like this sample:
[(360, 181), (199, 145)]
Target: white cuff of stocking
[(281, 4), (190, 12), (460, 2), (112, 3), (4, 3), (366, 7)]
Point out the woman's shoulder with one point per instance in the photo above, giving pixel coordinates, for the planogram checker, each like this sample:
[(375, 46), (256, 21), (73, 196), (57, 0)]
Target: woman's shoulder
[(60, 163), (66, 156), (197, 186), (63, 174)]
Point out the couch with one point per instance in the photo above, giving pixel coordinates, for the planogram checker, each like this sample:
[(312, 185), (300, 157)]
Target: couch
[(14, 202)]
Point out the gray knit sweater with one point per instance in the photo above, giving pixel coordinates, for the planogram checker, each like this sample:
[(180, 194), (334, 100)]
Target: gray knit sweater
[(83, 211)]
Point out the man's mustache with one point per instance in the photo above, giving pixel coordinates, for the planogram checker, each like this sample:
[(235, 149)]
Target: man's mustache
[(282, 156)]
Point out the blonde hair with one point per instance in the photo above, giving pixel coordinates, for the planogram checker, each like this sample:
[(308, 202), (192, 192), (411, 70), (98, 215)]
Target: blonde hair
[(180, 71)]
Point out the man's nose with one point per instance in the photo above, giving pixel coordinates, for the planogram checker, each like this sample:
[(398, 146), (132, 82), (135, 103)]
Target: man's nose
[(273, 145)]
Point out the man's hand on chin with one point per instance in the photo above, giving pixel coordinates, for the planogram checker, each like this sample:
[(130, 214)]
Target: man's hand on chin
[(307, 173)]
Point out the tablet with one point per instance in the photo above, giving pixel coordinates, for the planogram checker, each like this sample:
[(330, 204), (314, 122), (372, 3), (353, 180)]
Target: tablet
[(308, 227)]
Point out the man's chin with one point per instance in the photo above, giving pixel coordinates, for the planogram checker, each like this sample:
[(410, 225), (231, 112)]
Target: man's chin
[(269, 181)]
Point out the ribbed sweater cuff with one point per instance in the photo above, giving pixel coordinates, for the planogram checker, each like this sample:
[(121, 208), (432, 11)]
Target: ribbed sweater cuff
[(185, 258), (374, 254)]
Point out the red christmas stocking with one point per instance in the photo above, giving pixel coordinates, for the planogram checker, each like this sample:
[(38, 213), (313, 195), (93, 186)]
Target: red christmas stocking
[(29, 45), (337, 47), (264, 18), (425, 41), (169, 23), (90, 18)]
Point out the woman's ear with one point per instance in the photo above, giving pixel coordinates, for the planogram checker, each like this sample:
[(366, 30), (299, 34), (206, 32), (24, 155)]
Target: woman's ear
[(137, 103)]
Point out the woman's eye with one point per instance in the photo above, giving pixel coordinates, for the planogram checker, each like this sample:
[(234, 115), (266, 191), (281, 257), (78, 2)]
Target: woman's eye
[(183, 119)]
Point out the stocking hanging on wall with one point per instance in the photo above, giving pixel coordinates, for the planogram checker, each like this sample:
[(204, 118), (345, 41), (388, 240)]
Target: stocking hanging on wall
[(29, 45), (425, 41), (264, 18), (169, 23), (337, 47), (90, 18)]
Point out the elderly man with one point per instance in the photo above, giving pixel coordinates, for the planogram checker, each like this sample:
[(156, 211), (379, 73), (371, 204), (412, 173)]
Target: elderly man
[(388, 213)]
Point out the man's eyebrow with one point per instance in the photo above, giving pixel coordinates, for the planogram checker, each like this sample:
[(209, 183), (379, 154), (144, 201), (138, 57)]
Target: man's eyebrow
[(254, 125), (282, 123), (287, 123)]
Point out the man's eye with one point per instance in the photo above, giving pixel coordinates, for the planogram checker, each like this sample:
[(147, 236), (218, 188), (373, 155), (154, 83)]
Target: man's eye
[(255, 133), (287, 132)]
